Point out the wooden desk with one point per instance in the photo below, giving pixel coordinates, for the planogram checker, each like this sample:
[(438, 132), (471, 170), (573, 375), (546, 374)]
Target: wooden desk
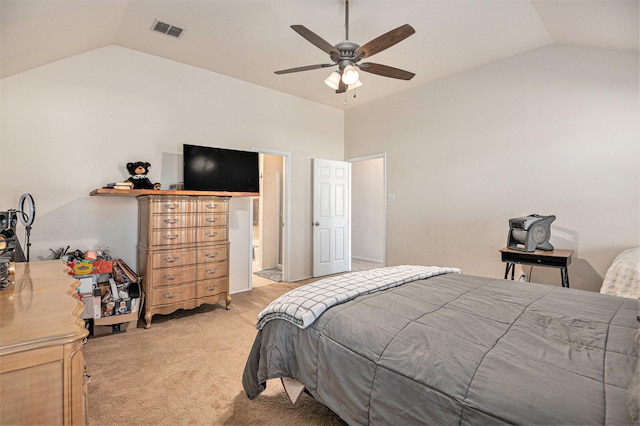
[(41, 338), (553, 259)]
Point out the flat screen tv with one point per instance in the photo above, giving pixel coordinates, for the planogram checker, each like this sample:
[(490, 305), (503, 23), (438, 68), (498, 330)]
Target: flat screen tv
[(219, 169)]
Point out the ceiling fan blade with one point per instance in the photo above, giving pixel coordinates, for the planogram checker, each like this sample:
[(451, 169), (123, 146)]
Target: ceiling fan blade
[(384, 41), (304, 68), (316, 40), (341, 87), (386, 71)]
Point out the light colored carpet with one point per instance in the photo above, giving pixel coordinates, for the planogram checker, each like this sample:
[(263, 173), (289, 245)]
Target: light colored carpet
[(187, 369)]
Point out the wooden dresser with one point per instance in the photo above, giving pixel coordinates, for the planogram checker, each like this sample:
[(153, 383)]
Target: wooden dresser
[(41, 338), (183, 252)]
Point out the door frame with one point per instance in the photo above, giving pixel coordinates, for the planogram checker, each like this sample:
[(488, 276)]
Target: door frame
[(382, 155), (286, 194)]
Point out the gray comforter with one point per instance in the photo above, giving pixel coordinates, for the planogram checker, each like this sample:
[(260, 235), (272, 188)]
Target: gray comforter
[(459, 349)]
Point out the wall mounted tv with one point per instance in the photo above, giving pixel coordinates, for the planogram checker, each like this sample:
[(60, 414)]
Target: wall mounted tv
[(218, 169)]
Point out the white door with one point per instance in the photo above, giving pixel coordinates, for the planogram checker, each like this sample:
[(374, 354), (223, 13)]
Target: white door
[(331, 216)]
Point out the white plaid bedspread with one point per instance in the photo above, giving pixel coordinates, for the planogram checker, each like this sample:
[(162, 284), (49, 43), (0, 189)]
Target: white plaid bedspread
[(301, 306)]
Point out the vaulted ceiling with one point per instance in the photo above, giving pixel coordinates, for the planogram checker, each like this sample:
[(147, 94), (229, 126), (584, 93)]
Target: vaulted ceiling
[(250, 39)]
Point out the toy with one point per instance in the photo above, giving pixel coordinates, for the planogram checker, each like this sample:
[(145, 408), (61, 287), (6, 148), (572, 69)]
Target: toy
[(138, 171)]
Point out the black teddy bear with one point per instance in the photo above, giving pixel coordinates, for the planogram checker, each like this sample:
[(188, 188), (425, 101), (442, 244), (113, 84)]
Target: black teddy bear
[(139, 177)]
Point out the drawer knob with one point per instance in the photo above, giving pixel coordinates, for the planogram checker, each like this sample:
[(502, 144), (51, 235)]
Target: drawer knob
[(211, 287), (170, 296), (211, 255), (212, 206), (171, 277), (212, 219), (211, 234), (171, 259), (171, 221), (211, 271), (171, 237), (170, 206)]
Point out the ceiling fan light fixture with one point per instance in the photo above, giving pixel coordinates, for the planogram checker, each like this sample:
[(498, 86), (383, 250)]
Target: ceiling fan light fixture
[(350, 75), (333, 80), (354, 85)]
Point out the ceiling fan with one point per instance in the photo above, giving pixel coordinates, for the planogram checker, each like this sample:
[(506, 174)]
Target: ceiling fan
[(348, 54)]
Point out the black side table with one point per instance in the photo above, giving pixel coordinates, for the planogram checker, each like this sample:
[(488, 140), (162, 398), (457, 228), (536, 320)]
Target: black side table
[(553, 259)]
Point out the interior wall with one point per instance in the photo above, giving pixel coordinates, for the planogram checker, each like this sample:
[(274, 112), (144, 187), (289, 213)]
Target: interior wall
[(552, 131), (367, 210), (71, 126)]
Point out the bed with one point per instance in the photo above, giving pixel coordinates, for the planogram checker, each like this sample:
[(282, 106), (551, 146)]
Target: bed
[(450, 348)]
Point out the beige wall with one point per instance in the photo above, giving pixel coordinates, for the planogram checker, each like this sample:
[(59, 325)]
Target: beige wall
[(552, 131), (71, 126)]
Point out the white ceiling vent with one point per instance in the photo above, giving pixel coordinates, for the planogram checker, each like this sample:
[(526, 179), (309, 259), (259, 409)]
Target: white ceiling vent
[(168, 29)]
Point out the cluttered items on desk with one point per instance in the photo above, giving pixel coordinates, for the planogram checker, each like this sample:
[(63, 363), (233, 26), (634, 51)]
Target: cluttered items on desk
[(107, 287)]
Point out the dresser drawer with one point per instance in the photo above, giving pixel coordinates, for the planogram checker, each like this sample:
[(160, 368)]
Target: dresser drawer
[(172, 276), (174, 294), (173, 205), (212, 219), (211, 287), (212, 205), (173, 258), (211, 270), (183, 251), (210, 234), (212, 254), (164, 237), (170, 221)]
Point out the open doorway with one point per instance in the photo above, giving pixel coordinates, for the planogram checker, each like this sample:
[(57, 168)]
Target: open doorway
[(368, 212), (268, 227)]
